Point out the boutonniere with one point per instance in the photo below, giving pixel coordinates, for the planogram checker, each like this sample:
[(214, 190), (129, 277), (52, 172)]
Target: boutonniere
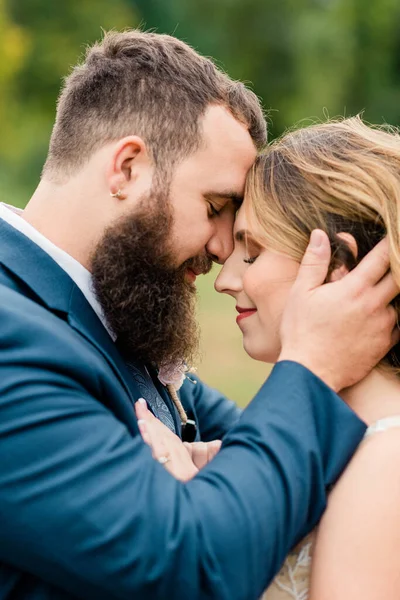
[(174, 374)]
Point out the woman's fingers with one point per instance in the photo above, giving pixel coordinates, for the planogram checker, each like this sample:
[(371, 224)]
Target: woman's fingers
[(373, 266), (153, 432), (387, 289), (315, 263), (181, 459), (144, 432), (199, 454), (213, 448), (153, 436), (167, 448), (203, 452), (141, 410)]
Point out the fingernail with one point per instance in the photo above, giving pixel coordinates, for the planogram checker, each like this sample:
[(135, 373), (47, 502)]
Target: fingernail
[(141, 424), (142, 401), (316, 238)]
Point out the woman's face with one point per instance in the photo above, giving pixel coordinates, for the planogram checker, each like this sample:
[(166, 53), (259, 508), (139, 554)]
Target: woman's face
[(259, 280)]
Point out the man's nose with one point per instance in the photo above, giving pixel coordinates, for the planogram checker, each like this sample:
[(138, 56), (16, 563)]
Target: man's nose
[(220, 245)]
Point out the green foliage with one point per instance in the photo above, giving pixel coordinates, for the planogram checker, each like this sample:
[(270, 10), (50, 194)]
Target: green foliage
[(305, 58), (39, 42)]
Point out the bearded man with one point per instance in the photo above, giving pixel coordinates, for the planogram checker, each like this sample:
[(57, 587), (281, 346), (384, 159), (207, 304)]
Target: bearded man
[(147, 164)]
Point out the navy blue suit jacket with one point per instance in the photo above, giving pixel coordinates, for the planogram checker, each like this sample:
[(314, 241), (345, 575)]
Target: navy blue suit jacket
[(85, 510)]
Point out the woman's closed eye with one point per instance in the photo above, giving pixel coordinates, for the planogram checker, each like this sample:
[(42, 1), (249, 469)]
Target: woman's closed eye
[(249, 246), (252, 251), (250, 260)]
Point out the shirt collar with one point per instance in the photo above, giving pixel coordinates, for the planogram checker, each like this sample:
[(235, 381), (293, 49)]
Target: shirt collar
[(80, 276)]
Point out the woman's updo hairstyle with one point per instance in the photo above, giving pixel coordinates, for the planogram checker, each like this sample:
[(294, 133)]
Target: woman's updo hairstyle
[(339, 176)]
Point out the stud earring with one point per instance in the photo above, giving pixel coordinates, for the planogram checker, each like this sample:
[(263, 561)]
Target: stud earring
[(117, 194)]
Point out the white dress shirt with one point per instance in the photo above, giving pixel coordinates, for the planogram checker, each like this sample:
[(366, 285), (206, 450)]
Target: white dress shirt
[(81, 276)]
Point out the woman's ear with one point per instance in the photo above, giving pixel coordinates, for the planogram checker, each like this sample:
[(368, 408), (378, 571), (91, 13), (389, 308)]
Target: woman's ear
[(347, 249)]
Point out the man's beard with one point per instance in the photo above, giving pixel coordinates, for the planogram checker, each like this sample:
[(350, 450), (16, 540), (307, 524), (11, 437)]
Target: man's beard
[(146, 300)]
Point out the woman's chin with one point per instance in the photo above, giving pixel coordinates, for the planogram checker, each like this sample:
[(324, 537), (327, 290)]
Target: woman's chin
[(262, 354)]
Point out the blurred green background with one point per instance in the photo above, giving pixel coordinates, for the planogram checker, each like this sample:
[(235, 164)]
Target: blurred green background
[(304, 58)]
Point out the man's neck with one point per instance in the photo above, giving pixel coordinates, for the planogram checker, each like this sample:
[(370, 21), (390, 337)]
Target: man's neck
[(375, 397), (65, 217)]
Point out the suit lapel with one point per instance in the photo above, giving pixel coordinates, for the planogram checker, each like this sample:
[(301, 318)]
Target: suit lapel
[(163, 392), (84, 320), (38, 273), (42, 279), (45, 282)]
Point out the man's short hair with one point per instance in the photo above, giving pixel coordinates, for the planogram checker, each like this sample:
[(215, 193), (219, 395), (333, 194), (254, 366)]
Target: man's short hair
[(146, 84)]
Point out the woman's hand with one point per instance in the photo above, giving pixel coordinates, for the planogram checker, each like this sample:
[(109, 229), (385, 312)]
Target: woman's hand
[(340, 330), (181, 459), (202, 452)]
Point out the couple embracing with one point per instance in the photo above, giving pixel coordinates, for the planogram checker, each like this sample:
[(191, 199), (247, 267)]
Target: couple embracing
[(151, 155)]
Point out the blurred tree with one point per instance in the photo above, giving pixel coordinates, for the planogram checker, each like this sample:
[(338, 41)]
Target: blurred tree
[(305, 58), (375, 83), (43, 39), (14, 47)]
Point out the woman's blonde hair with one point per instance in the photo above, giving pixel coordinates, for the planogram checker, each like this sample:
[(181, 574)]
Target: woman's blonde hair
[(339, 176)]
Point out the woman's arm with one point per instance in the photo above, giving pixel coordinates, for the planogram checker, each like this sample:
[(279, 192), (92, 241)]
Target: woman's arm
[(357, 551)]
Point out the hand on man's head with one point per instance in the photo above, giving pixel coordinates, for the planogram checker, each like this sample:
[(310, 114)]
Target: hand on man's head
[(340, 330)]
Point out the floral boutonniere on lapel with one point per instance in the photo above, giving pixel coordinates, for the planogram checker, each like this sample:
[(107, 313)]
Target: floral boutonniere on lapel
[(173, 376)]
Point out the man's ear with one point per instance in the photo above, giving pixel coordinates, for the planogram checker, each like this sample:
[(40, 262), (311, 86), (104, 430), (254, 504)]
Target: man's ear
[(128, 159), (349, 245)]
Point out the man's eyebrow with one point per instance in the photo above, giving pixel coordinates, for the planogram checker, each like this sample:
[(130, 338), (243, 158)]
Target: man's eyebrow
[(234, 197)]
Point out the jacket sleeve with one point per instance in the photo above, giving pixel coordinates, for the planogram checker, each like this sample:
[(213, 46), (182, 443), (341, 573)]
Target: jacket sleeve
[(213, 412), (85, 507)]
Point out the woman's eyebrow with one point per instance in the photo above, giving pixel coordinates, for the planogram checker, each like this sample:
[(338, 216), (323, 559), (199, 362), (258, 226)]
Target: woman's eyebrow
[(242, 235)]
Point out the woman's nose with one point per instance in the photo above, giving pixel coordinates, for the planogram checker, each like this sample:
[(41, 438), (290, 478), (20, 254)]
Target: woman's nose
[(229, 280)]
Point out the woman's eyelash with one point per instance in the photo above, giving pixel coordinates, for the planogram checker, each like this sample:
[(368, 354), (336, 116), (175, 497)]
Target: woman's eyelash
[(250, 260)]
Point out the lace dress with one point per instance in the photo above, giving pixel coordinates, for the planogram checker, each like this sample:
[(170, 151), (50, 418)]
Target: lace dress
[(293, 580)]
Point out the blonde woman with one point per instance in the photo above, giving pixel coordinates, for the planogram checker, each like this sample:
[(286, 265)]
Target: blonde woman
[(342, 177)]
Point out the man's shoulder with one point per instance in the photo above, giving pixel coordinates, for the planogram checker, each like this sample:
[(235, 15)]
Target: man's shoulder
[(30, 325), (18, 307), (42, 345)]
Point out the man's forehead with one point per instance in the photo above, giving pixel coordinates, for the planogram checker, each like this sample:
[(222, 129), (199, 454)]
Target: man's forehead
[(229, 152), (220, 166), (226, 137)]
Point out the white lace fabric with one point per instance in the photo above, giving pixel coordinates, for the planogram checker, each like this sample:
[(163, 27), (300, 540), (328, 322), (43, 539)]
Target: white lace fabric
[(293, 580)]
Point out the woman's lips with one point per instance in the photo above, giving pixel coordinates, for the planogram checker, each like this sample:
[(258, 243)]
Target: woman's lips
[(244, 313)]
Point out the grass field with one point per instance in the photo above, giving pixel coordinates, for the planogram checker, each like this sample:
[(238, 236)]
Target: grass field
[(224, 364)]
